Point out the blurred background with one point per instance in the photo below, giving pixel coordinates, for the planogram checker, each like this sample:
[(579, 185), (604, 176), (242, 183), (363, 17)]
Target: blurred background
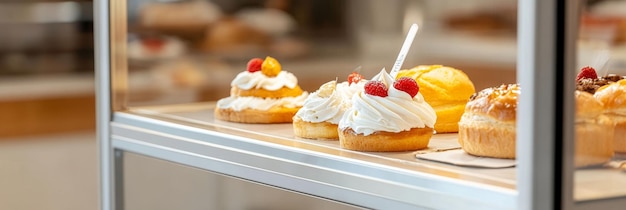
[(184, 51), (48, 156), (195, 56)]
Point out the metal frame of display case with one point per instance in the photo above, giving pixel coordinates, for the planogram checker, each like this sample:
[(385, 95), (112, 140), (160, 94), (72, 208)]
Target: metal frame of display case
[(545, 164)]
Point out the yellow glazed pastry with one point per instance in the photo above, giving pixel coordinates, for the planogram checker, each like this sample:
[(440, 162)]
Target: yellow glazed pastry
[(446, 89)]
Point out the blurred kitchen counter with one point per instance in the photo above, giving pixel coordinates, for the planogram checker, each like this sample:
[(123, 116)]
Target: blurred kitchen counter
[(33, 105)]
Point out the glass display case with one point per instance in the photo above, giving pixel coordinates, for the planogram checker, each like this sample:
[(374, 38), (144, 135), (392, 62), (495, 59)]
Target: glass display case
[(163, 65)]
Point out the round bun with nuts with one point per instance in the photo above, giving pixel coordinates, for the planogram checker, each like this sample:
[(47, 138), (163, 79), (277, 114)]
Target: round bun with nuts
[(613, 97), (594, 131), (487, 128)]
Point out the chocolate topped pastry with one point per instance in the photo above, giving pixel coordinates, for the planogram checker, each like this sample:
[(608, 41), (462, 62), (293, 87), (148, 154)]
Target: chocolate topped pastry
[(588, 81)]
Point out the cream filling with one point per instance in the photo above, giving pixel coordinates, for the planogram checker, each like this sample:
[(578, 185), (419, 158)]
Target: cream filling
[(257, 80), (263, 104), (330, 109), (318, 109)]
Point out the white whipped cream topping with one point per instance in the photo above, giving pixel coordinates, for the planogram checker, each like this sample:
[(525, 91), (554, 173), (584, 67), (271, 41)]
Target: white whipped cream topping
[(395, 113), (347, 91), (331, 108), (263, 104), (318, 109), (257, 80)]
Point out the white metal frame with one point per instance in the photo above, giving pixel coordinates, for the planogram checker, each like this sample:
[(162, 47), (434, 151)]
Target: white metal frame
[(536, 126), (103, 102)]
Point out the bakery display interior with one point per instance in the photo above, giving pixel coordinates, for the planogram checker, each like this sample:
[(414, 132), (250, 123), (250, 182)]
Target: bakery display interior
[(257, 90)]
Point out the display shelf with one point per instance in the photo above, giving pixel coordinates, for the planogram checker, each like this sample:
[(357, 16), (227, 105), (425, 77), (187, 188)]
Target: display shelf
[(202, 114), (191, 129), (599, 183), (270, 154)]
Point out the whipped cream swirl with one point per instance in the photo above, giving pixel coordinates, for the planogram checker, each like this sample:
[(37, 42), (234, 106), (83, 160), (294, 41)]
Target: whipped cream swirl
[(395, 113), (263, 104), (257, 80), (320, 107), (347, 91)]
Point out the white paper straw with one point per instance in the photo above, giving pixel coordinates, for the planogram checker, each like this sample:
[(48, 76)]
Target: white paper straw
[(405, 49)]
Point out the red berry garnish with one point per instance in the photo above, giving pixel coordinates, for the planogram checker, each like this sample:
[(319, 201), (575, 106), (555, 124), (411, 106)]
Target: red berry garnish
[(355, 77), (153, 44), (376, 88), (407, 85), (255, 64), (587, 72)]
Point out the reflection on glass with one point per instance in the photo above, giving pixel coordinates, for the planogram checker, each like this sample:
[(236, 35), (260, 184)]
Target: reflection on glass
[(189, 51), (180, 52), (600, 142)]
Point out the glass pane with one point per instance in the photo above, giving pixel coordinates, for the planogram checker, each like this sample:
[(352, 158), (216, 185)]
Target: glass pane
[(599, 127), (181, 52), (175, 59), (193, 53)]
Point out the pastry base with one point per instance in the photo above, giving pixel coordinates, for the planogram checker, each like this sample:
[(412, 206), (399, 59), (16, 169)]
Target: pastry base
[(594, 143), (619, 137), (274, 115), (488, 139), (414, 139), (448, 117), (262, 93), (318, 131)]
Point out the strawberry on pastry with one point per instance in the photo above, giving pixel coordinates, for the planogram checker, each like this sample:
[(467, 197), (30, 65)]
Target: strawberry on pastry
[(588, 80), (255, 64), (587, 72), (355, 77)]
